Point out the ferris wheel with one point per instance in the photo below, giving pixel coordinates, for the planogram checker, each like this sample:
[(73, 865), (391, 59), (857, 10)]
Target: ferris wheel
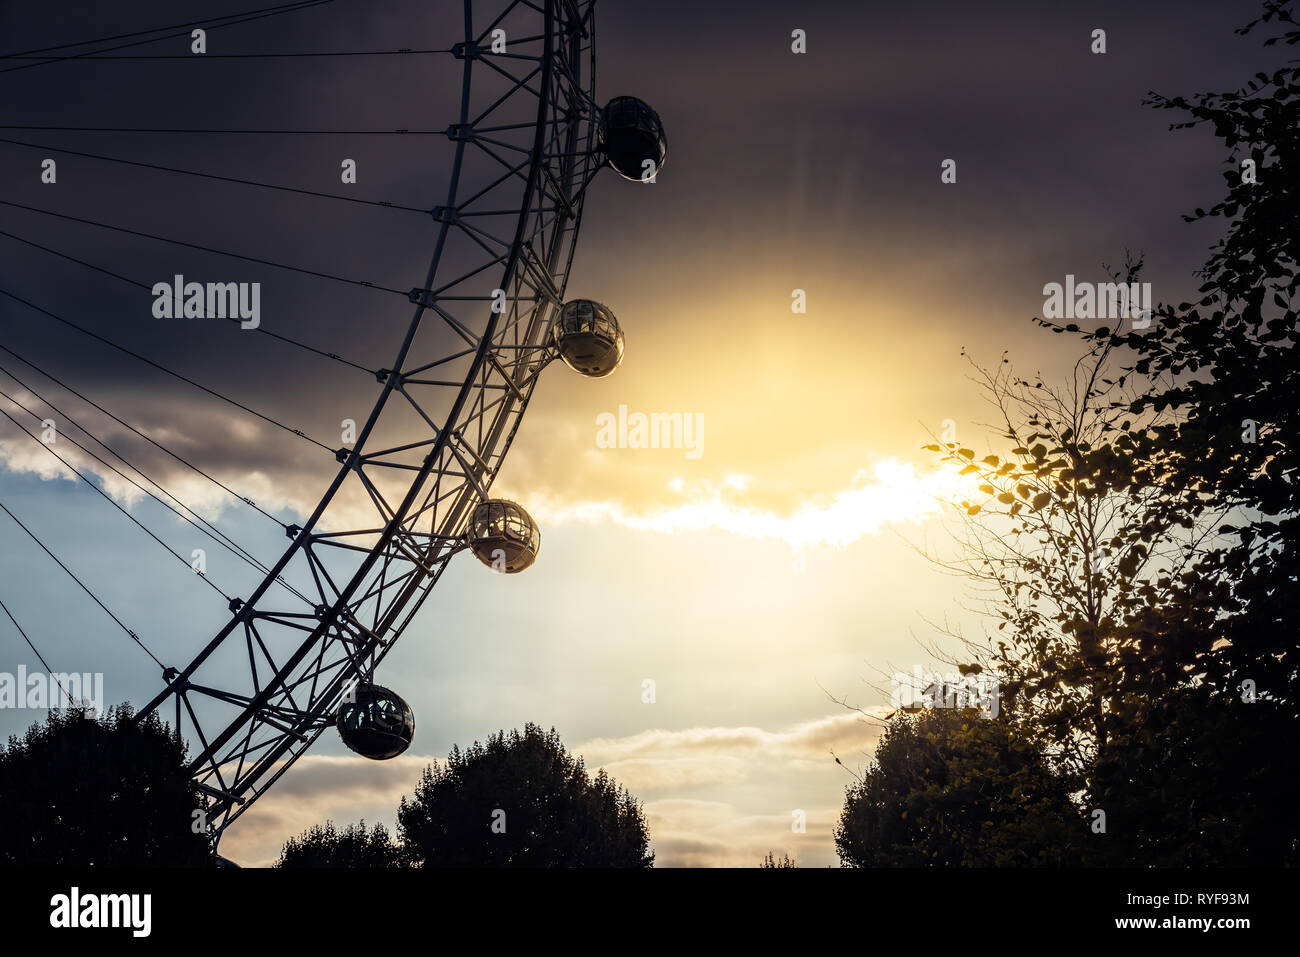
[(297, 654)]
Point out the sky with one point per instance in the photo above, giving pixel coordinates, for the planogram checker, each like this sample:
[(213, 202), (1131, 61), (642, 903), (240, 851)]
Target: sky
[(755, 578)]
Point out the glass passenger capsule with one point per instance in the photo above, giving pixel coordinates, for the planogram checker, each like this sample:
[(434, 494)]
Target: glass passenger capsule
[(376, 723), (588, 338), (503, 536), (633, 138)]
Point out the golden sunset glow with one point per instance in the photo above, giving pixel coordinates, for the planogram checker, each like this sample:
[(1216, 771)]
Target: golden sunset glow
[(890, 492)]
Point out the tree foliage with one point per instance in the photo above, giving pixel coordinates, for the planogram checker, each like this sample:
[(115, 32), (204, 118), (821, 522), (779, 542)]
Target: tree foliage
[(949, 788), (521, 800), (1075, 551), (1199, 766), (324, 845), (1140, 540), (108, 791)]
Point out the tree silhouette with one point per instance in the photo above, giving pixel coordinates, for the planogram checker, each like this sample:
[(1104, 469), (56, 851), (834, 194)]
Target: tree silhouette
[(520, 800), (1225, 368), (324, 845), (950, 788), (770, 863), (1141, 540), (1109, 623), (82, 791), (1073, 550)]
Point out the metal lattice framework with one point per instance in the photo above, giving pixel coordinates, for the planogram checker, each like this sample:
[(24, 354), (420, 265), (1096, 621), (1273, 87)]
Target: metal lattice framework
[(511, 241)]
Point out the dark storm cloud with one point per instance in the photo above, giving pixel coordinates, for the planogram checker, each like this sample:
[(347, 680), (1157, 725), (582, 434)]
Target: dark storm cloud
[(780, 165), (386, 247), (840, 148)]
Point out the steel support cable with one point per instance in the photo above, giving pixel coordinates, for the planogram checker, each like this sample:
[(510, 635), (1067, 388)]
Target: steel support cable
[(196, 57), (108, 498), (206, 249), (140, 33), (161, 368), (216, 176), (220, 538), (232, 19), (158, 129), (73, 576), (211, 530), (63, 385), (30, 644), (289, 340)]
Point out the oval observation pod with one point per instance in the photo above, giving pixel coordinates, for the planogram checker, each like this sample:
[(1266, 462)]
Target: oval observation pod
[(588, 338), (503, 536), (377, 724), (632, 136)]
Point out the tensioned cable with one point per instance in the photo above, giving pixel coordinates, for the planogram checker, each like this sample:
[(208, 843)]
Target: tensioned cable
[(142, 285), (72, 575), (238, 551), (63, 385), (218, 536), (206, 249), (35, 650), (108, 498), (406, 51), (158, 129), (161, 368), (180, 514), (140, 33), (216, 176), (230, 20), (33, 646)]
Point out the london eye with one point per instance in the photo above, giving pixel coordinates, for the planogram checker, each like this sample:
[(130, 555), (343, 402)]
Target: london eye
[(298, 651)]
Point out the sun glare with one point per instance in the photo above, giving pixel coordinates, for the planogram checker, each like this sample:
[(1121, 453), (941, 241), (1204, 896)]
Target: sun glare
[(889, 492)]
